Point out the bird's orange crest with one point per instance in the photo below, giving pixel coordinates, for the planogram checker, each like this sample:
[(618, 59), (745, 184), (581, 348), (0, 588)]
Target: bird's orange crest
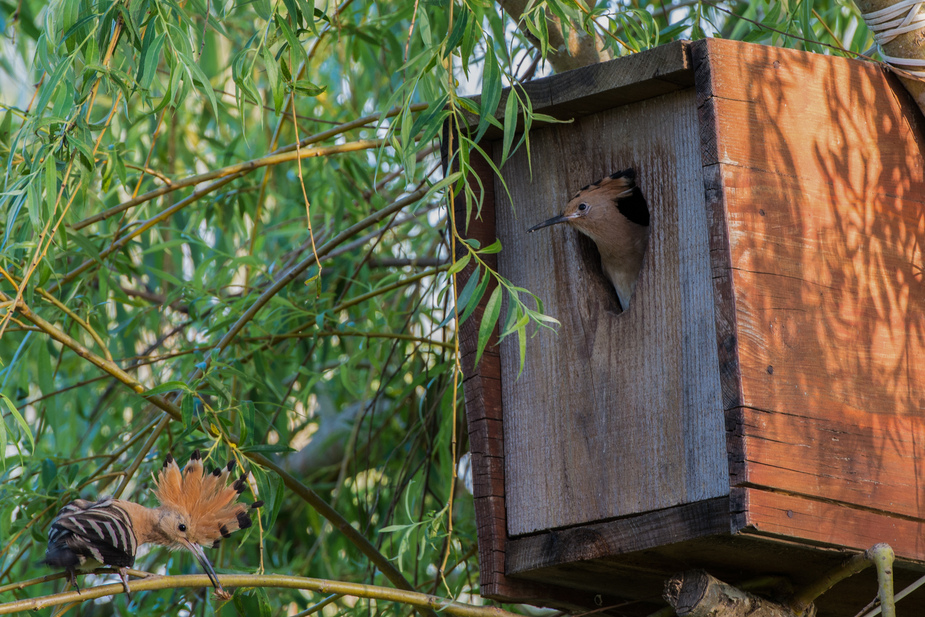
[(205, 500), (197, 509)]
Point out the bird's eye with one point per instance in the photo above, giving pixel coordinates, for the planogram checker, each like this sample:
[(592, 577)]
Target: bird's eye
[(182, 527), (582, 207)]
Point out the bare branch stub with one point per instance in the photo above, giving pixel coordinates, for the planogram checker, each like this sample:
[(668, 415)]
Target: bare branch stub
[(695, 593)]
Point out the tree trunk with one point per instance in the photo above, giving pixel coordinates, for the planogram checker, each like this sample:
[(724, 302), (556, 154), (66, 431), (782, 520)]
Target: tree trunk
[(580, 50), (908, 45)]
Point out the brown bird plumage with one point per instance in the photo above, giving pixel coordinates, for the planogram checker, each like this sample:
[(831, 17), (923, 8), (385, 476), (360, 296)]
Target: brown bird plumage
[(197, 509), (613, 213)]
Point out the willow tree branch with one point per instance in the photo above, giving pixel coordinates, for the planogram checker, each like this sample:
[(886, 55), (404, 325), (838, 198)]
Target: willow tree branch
[(356, 590), (882, 556), (381, 290), (308, 495), (296, 271), (283, 156), (695, 593), (108, 366), (128, 237), (805, 596), (339, 522), (64, 309), (313, 499), (407, 262), (581, 49), (275, 338)]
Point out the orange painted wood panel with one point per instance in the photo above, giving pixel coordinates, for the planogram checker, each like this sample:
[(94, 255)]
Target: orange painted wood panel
[(822, 118), (851, 463), (830, 321), (818, 170), (830, 311), (831, 525)]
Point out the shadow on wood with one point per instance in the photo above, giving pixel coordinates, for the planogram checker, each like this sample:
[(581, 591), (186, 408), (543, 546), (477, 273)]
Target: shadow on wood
[(759, 408)]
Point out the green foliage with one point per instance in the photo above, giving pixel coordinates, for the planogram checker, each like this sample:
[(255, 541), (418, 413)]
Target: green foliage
[(156, 258)]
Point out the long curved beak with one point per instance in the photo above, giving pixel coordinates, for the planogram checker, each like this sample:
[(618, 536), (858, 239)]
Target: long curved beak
[(554, 220), (196, 550)]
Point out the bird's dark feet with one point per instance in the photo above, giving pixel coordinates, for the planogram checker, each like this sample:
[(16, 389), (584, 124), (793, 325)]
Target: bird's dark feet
[(221, 594), (124, 576), (72, 580)]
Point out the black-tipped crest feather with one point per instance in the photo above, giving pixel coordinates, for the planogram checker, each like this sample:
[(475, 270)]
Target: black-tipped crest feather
[(198, 508)]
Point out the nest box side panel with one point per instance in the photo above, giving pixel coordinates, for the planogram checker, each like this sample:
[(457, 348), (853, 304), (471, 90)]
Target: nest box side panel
[(817, 171), (482, 387), (615, 413)]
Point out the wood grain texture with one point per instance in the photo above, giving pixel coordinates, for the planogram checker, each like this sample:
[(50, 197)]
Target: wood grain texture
[(720, 258), (594, 88), (695, 593), (616, 413), (724, 313), (817, 235), (773, 356), (829, 524), (619, 537), (482, 388), (639, 577), (856, 458)]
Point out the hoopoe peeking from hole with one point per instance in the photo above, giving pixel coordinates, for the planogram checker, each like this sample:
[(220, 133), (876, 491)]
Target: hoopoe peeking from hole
[(196, 509), (613, 213)]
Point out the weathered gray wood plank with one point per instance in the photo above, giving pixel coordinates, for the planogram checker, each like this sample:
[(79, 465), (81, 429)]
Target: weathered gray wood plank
[(619, 537), (594, 88), (617, 413)]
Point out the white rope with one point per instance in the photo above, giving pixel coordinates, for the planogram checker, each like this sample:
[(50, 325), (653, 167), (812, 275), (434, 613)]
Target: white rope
[(900, 18), (892, 21)]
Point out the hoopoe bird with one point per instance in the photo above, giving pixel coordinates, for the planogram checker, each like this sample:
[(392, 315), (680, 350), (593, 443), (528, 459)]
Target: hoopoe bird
[(197, 509), (613, 213)]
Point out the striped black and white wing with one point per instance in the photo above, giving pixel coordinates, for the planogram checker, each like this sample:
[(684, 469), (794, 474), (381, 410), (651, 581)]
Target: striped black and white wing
[(91, 530)]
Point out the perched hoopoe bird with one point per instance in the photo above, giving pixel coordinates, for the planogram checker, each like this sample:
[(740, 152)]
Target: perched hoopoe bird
[(196, 509), (613, 213)]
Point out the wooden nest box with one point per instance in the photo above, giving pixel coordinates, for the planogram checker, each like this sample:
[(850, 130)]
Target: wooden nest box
[(760, 407)]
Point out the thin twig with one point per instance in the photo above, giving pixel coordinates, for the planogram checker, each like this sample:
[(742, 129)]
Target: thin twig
[(308, 206), (67, 311), (314, 608), (808, 594), (281, 156)]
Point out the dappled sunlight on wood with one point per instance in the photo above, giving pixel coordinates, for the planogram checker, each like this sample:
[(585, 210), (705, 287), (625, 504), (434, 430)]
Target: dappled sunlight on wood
[(825, 196)]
